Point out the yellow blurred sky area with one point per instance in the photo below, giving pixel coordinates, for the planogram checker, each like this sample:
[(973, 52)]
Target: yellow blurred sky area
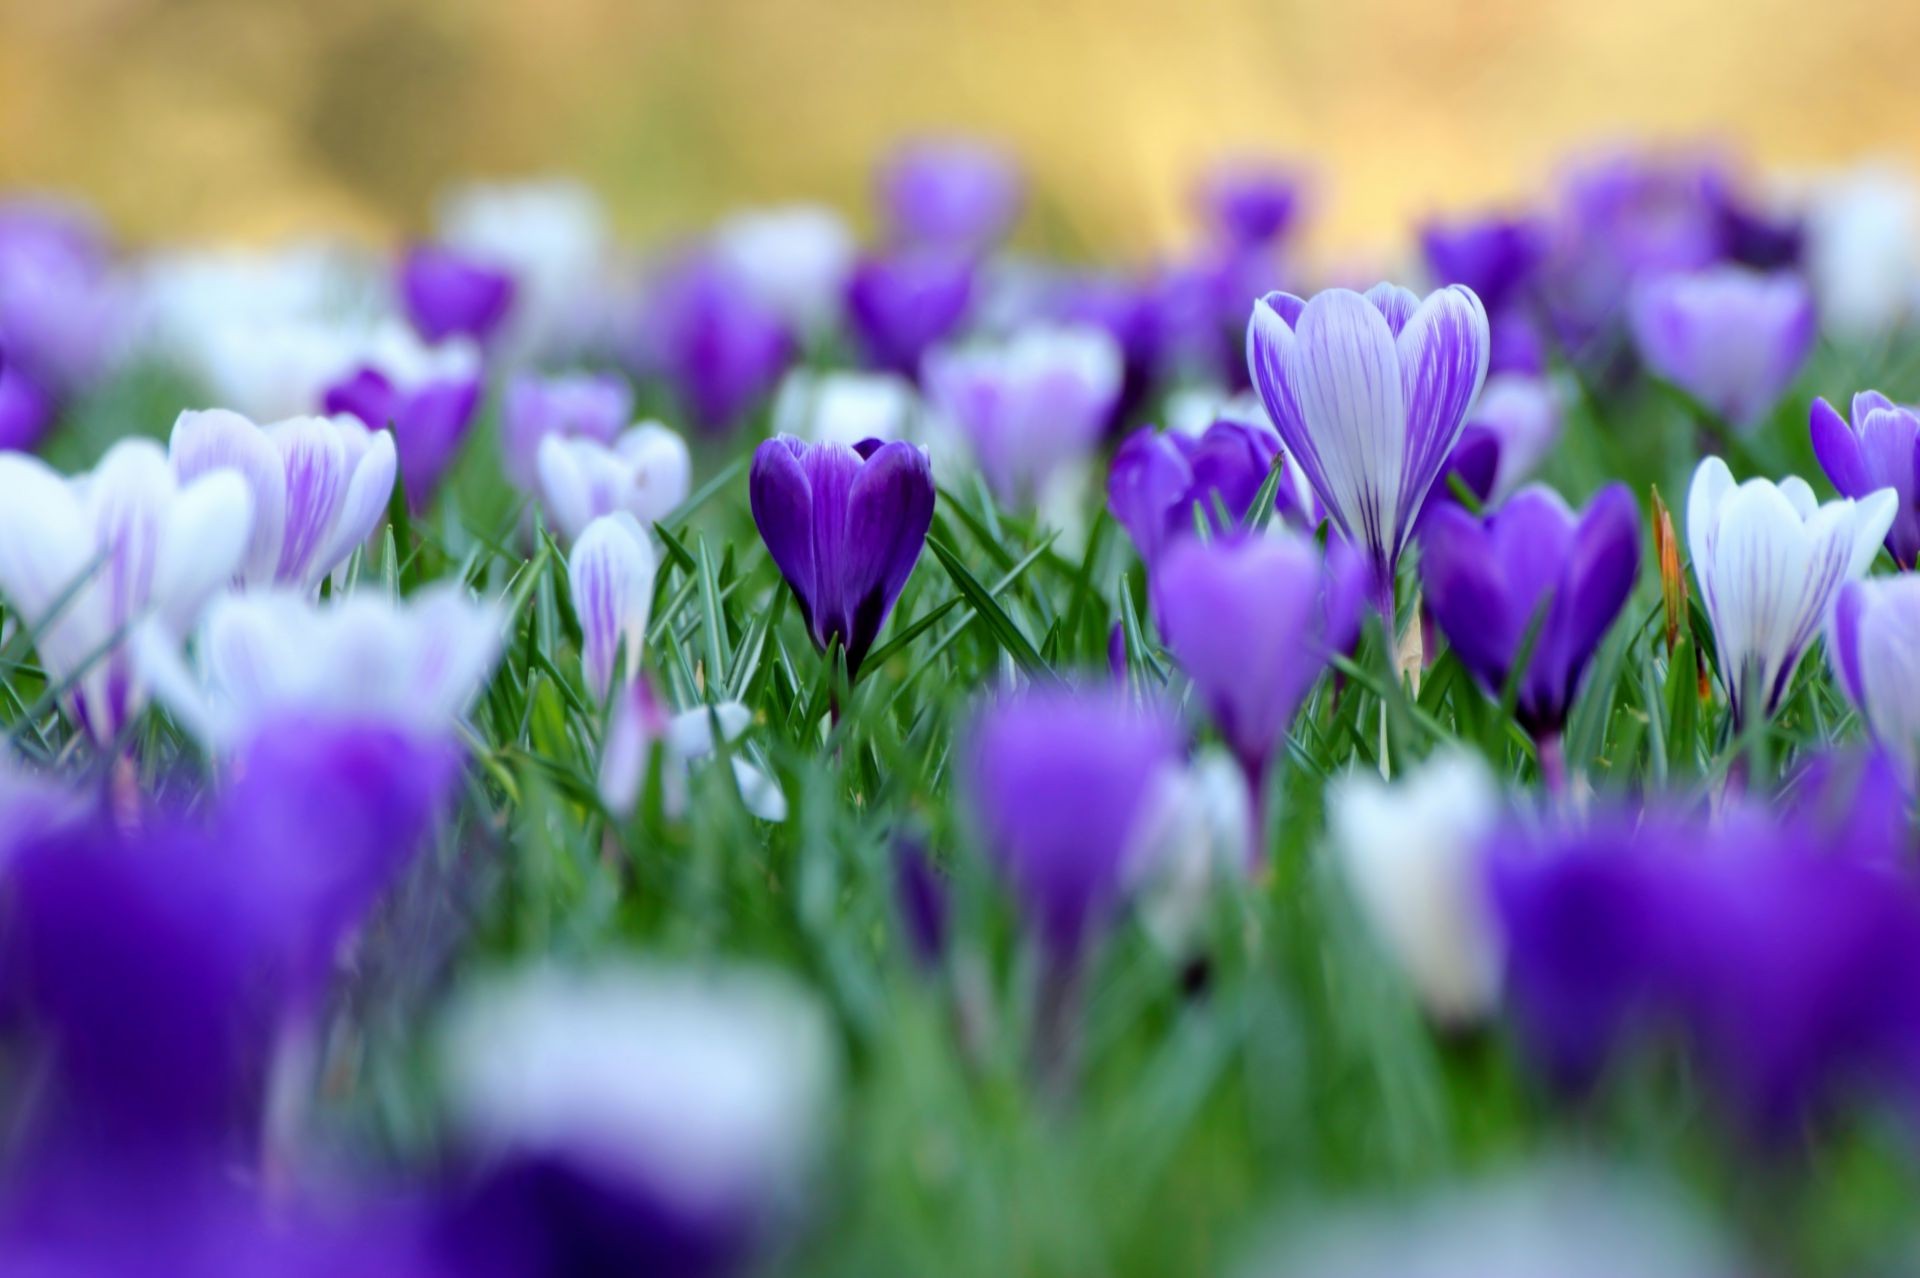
[(255, 118)]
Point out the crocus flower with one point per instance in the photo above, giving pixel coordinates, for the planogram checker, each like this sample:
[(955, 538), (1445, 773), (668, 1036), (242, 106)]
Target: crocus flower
[(85, 560), (319, 486), (903, 304), (263, 655), (1498, 257), (634, 1118), (640, 722), (1413, 857), (63, 305), (448, 294), (27, 411), (718, 345), (427, 396), (844, 407), (949, 193), (583, 405), (1064, 783), (1770, 561), (1250, 202), (1253, 621), (795, 259), (1733, 339), (845, 526), (1028, 408), (1157, 479), (1532, 568), (1197, 836), (1874, 646), (646, 472), (1880, 449), (1370, 394), (610, 574), (551, 237)]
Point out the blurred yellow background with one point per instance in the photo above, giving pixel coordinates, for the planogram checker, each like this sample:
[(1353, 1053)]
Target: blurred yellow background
[(243, 117)]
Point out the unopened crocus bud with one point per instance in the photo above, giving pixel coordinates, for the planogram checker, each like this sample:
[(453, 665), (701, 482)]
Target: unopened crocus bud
[(1673, 582), (610, 574)]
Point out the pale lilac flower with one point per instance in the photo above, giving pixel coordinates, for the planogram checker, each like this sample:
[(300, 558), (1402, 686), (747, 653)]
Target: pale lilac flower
[(1873, 643), (319, 485), (1733, 339), (1770, 561), (950, 193), (1370, 394), (595, 406), (610, 575), (85, 560), (1863, 251), (646, 472)]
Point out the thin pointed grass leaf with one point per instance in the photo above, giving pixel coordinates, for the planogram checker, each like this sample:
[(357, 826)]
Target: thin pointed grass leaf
[(920, 625), (1005, 631), (746, 658), (1260, 514), (716, 639), (676, 550), (677, 520)]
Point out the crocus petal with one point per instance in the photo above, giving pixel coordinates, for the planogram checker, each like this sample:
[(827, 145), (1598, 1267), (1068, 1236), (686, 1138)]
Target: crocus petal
[(1843, 640), (611, 571), (369, 492), (1395, 304), (46, 558), (1838, 450), (204, 442), (1344, 373), (313, 459), (782, 500), (889, 510), (200, 546), (662, 470), (564, 487), (1442, 354)]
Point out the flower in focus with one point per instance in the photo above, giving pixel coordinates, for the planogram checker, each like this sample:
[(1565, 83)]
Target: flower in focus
[(264, 655), (949, 193), (595, 406), (1873, 643), (1370, 394), (1064, 784), (646, 471), (795, 259), (635, 1118), (844, 408), (1880, 449), (718, 345), (1733, 339), (640, 722), (845, 526), (427, 396), (1532, 569), (85, 560), (319, 486), (1030, 407), (1413, 857), (1770, 561), (1253, 621), (610, 574), (901, 305), (449, 295)]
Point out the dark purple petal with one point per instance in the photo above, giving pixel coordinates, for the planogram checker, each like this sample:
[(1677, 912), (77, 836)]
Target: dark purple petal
[(449, 295), (1847, 606), (429, 431), (26, 410), (1149, 474), (902, 305), (781, 497), (889, 510), (1249, 202), (1497, 257)]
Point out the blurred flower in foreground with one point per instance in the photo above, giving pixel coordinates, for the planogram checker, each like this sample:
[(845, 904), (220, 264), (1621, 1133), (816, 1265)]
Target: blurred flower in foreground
[(640, 722), (1733, 339), (846, 526), (902, 304), (87, 559), (1414, 856), (63, 304), (1873, 644), (794, 259), (610, 575), (1879, 449), (633, 1118), (1029, 408), (427, 396), (1567, 1220), (645, 471), (594, 406), (416, 663), (1370, 394), (27, 411), (551, 237), (949, 193), (1197, 835), (448, 295), (1158, 477), (844, 407), (319, 485), (1770, 561), (1253, 622), (1532, 570)]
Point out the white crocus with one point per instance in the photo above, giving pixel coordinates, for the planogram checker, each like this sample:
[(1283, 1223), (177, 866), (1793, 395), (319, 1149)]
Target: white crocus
[(415, 663), (552, 237), (610, 573), (1411, 853), (702, 1090), (795, 259), (86, 560), (639, 722), (1770, 560), (319, 486), (844, 408), (1197, 835), (1863, 250), (646, 472)]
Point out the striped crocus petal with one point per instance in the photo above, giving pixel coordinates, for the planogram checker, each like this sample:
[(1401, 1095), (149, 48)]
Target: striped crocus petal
[(1873, 642), (1443, 350), (611, 572), (203, 442)]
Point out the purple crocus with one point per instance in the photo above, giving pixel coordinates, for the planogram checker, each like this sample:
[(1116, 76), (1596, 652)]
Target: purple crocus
[(720, 347), (428, 403), (1523, 416), (1370, 394), (1158, 477), (1879, 449), (845, 526), (1499, 257), (1249, 202), (1532, 568), (1062, 782), (949, 193), (448, 294), (63, 310), (595, 406), (1252, 622), (1731, 338), (26, 409), (903, 304)]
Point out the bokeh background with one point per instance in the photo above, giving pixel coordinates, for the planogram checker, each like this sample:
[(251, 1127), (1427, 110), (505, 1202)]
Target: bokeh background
[(206, 118)]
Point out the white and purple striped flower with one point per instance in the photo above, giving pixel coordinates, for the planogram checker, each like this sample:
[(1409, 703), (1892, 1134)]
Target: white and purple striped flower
[(646, 471), (1370, 393), (1879, 449), (1770, 560), (640, 722), (610, 574), (1873, 643)]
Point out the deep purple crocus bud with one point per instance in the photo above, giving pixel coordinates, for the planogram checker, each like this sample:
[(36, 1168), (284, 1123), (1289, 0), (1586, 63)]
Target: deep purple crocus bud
[(1498, 257), (949, 193), (427, 397), (1370, 394), (903, 304), (448, 294), (1064, 783), (1733, 339), (1474, 464), (1879, 449), (26, 410), (722, 348), (845, 526), (1250, 202), (1253, 622), (1150, 473), (1488, 579)]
